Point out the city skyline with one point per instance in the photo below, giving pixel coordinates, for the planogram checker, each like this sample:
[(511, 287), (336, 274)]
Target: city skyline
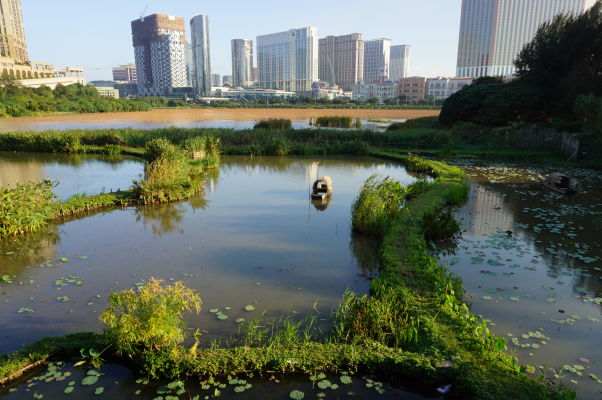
[(434, 52)]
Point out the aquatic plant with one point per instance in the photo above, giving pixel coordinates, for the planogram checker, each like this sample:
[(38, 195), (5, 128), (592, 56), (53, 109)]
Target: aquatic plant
[(149, 318), (334, 122), (377, 205), (274, 124)]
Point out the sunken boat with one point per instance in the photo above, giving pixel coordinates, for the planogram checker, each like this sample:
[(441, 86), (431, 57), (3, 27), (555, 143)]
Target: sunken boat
[(322, 188)]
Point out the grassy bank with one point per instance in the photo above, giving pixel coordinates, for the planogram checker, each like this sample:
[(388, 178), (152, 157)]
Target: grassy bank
[(413, 327)]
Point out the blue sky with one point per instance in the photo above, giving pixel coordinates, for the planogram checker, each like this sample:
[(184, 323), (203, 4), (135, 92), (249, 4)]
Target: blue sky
[(97, 35)]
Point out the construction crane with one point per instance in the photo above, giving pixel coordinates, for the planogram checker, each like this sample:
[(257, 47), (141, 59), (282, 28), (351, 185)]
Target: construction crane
[(143, 13)]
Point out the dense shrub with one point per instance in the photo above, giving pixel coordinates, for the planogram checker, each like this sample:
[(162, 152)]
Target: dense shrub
[(149, 318), (588, 109)]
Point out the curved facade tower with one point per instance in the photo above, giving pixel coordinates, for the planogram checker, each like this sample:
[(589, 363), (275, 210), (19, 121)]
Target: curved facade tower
[(199, 31)]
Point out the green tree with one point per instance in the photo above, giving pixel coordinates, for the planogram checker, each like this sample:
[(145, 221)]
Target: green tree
[(565, 58)]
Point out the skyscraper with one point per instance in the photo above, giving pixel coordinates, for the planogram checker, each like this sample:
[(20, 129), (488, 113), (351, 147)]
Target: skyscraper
[(160, 50), (199, 28), (341, 60), (216, 80), (242, 62), (288, 60), (377, 56), (493, 32), (400, 62), (12, 33)]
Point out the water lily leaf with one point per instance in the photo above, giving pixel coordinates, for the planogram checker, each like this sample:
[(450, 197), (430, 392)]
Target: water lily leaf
[(77, 364), (346, 380), (90, 380), (64, 259), (325, 384), (68, 389), (249, 307), (240, 320), (297, 395), (99, 390)]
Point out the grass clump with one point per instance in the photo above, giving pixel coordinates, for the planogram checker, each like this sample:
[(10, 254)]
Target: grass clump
[(149, 318), (274, 124), (334, 122), (378, 204), (25, 208)]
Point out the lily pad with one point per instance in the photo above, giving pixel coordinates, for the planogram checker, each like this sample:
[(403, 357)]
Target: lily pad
[(297, 395)]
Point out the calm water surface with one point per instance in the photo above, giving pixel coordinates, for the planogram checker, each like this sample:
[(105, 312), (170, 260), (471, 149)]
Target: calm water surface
[(253, 238), (541, 286), (75, 174)]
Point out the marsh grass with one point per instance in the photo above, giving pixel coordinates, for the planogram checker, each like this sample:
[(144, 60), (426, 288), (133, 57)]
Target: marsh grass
[(25, 208), (334, 122), (380, 201), (274, 124)]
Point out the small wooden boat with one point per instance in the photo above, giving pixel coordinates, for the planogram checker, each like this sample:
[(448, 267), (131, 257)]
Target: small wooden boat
[(322, 188), (560, 183)]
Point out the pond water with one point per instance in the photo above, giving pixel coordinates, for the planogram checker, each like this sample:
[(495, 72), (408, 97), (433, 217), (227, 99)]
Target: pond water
[(75, 174), (117, 382), (531, 263), (252, 239)]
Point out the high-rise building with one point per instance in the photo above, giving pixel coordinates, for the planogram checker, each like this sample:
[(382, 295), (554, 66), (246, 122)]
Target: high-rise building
[(377, 58), (160, 50), (199, 28), (12, 32), (227, 80), (493, 32), (125, 73), (216, 80), (400, 62), (288, 60), (341, 60), (242, 62), (190, 70)]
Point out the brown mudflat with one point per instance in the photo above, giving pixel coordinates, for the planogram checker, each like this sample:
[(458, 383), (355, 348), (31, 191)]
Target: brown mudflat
[(219, 114)]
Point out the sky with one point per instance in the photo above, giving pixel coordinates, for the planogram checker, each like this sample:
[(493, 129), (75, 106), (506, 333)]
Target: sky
[(97, 34)]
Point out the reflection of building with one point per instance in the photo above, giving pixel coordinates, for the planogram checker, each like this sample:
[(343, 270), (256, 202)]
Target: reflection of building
[(377, 56), (288, 60), (493, 32), (199, 28), (160, 48), (341, 60), (242, 62), (490, 218), (400, 62)]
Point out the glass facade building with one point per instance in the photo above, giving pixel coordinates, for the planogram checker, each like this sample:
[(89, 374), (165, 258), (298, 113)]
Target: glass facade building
[(242, 62), (288, 60), (199, 31), (493, 32), (400, 62), (377, 58), (341, 60)]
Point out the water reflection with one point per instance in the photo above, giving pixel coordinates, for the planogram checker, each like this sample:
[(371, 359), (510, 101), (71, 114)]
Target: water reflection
[(251, 238), (74, 173), (545, 279)]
